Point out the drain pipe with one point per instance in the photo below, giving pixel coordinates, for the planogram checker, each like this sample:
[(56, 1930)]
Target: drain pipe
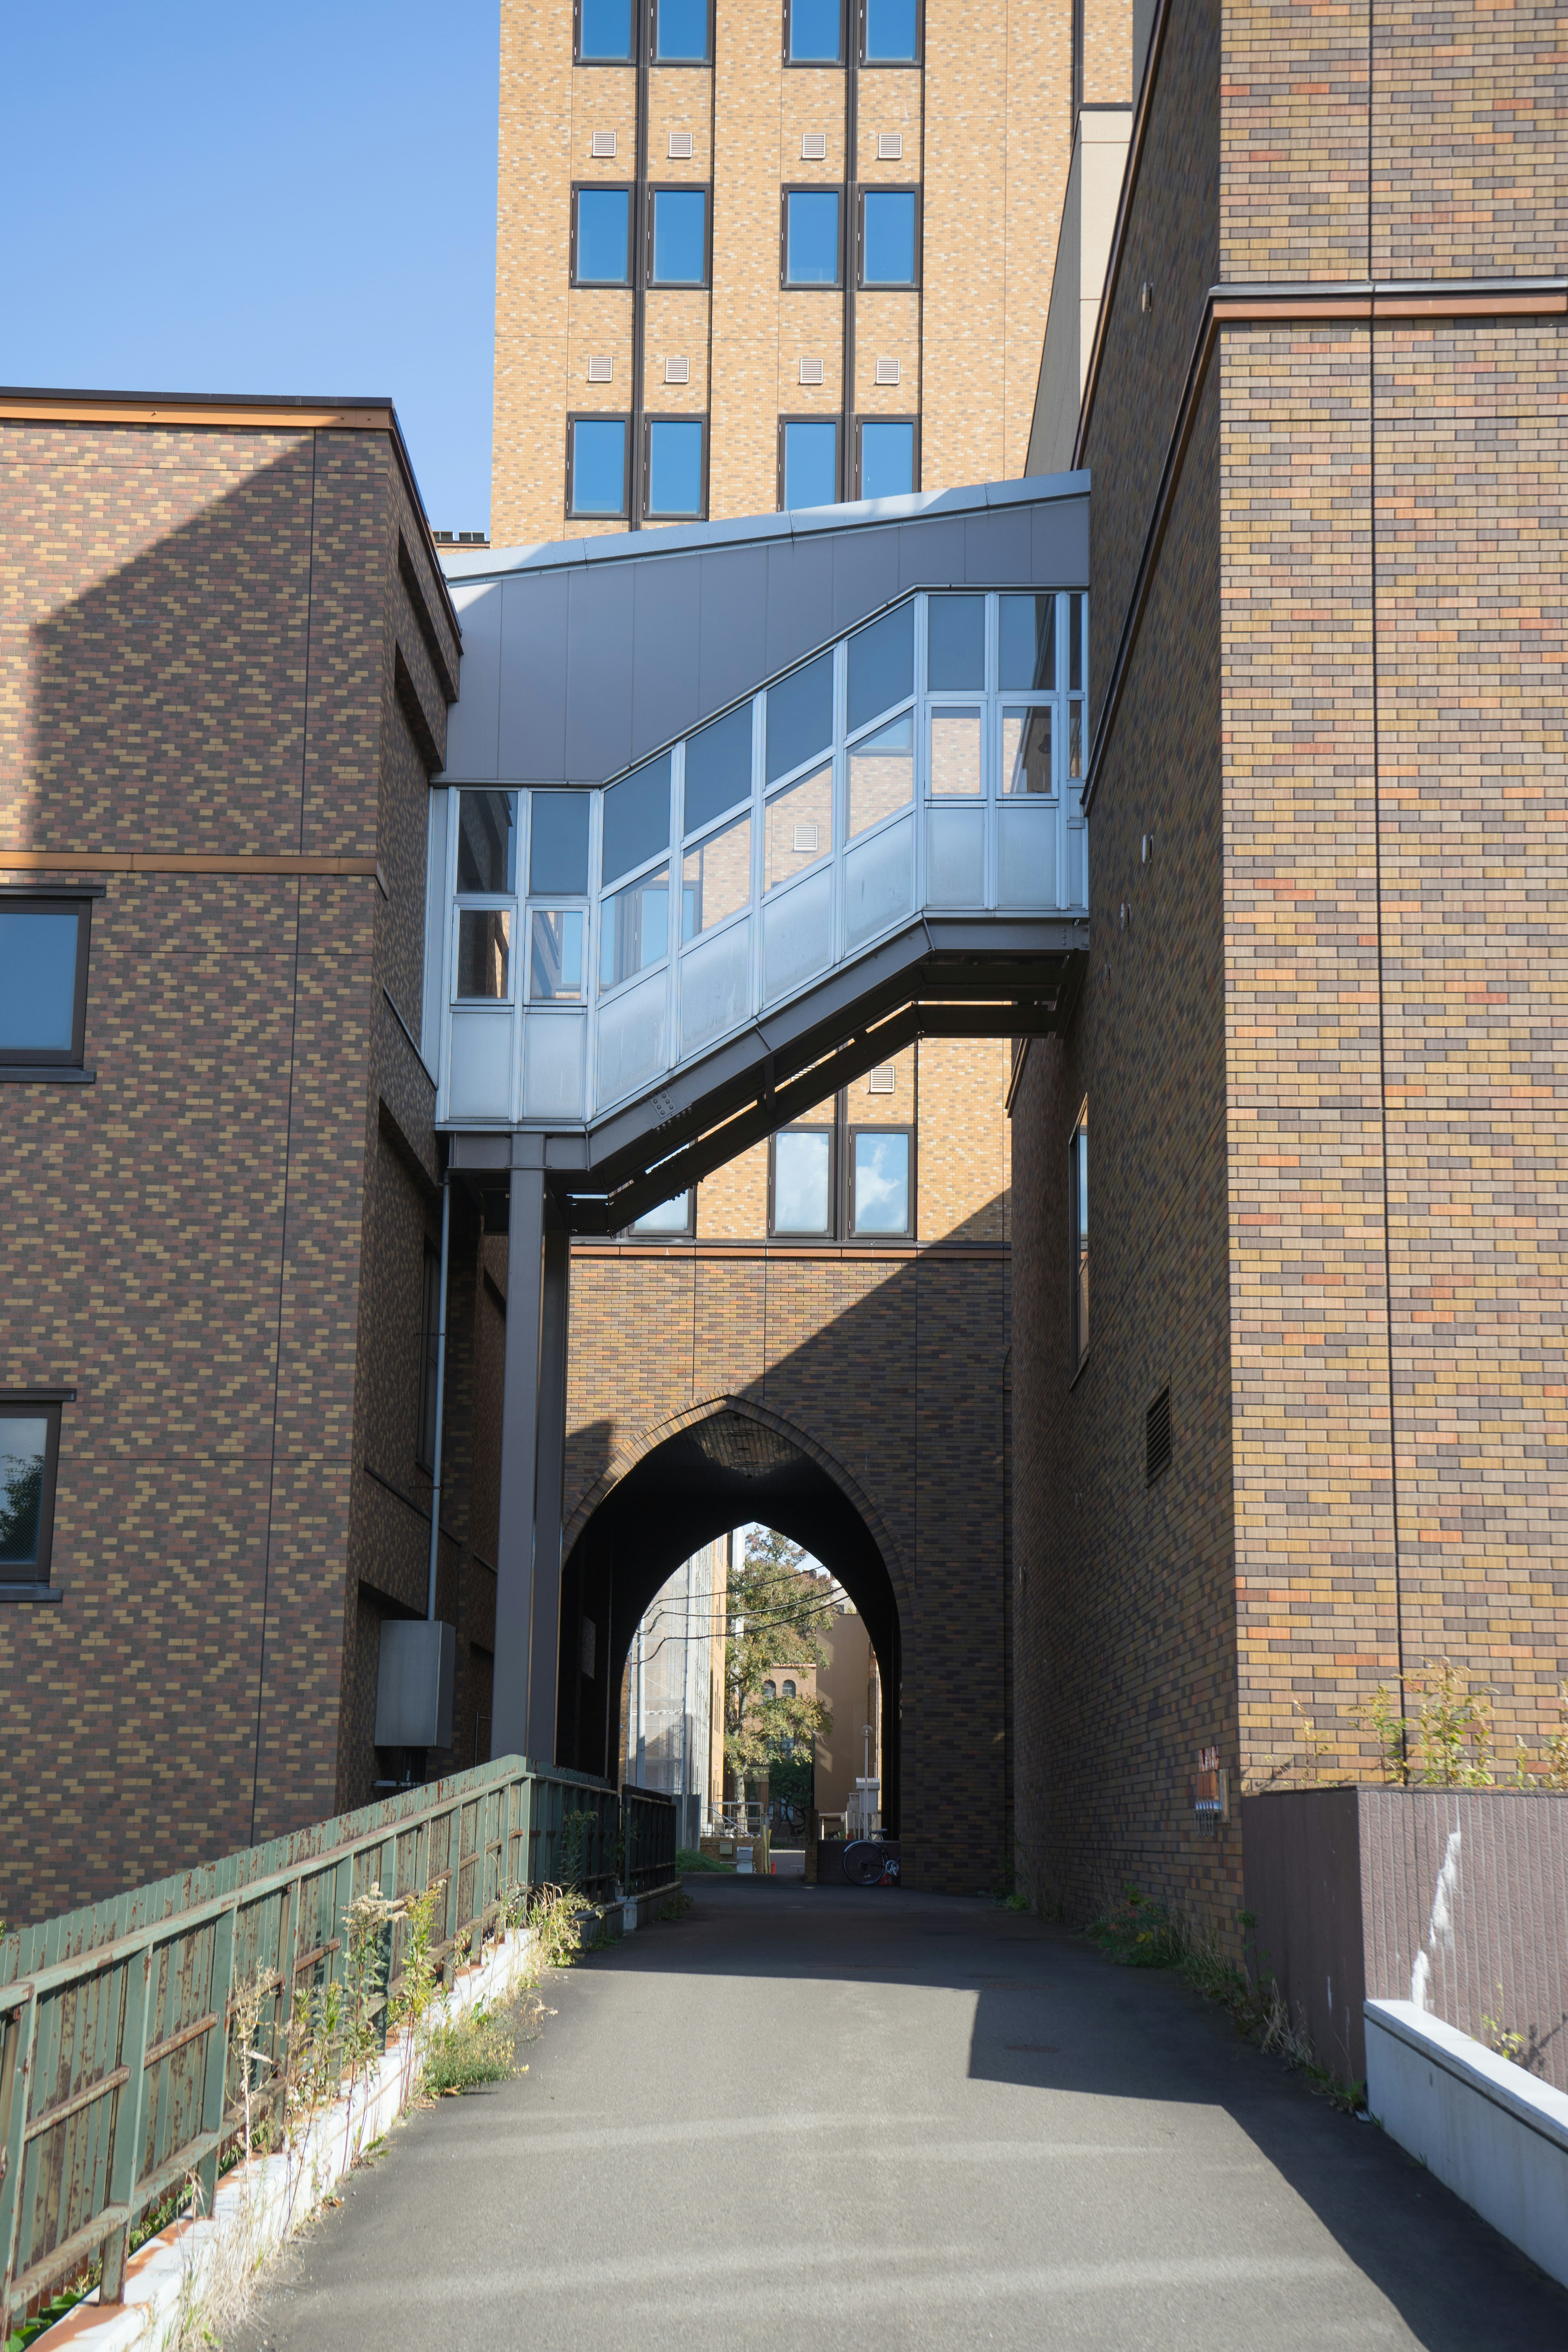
[(440, 1398)]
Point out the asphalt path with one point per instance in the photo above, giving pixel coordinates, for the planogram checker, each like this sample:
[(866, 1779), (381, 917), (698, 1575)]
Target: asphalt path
[(805, 2118)]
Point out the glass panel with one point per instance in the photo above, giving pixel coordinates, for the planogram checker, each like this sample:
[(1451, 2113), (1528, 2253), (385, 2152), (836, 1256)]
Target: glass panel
[(811, 237), (890, 32), (558, 843), (1026, 855), (1075, 739), (811, 464), (881, 1184), (955, 858), (603, 243), (715, 986), (814, 32), (881, 772), (24, 1448), (887, 236), (637, 818), (555, 956), (682, 31), (802, 1188), (37, 979), (487, 843), (605, 30), (955, 644), (799, 827), (881, 664), (1026, 752), (635, 929), (887, 459), (599, 466), (797, 936), (479, 1085), (1075, 644), (552, 1067), (879, 885), (679, 236), (631, 1040), (669, 1217), (1029, 642), (956, 752), (484, 952), (800, 716), (674, 466), (717, 767), (716, 878)]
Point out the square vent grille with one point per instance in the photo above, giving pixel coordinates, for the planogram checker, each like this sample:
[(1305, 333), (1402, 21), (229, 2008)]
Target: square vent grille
[(1157, 1438), (601, 368), (680, 147), (890, 146), (883, 1080), (677, 370), (887, 370), (814, 146), (811, 370), (604, 142)]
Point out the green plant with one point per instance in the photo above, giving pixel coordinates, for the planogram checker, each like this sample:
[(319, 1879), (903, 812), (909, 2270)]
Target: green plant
[(676, 1906), (692, 1858), (461, 2053), (1392, 1731), (1014, 1902), (1138, 1933), (556, 1918), (1556, 1773), (1449, 1717), (777, 1613), (1500, 2038), (577, 1831)]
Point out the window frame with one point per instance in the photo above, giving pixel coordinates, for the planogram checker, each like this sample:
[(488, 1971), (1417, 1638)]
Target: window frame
[(864, 285), (809, 284), (1078, 1241), (873, 416), (677, 65), (48, 1405), (819, 65), (575, 416), (626, 188), (837, 422), (626, 64), (889, 65), (646, 511), (829, 1128), (49, 1061), (906, 1233), (703, 188), (686, 1233)]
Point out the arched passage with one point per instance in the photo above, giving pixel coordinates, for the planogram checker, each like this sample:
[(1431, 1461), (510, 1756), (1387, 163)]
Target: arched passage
[(710, 1473)]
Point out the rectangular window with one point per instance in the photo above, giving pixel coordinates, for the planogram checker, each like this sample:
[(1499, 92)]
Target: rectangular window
[(957, 753), (636, 929), (680, 32), (889, 236), (676, 1217), (677, 236), (601, 237), (30, 1463), (808, 463), (1026, 752), (716, 877), (1078, 1236), (889, 465), (673, 482), (802, 1187), (429, 1348), (882, 666), (812, 242), (486, 845), (558, 844), (799, 829), (891, 33), (799, 721), (484, 954), (636, 819), (955, 645), (555, 955), (44, 940), (604, 32), (880, 1192), (1028, 643), (717, 767), (815, 31), (596, 465), (881, 772)]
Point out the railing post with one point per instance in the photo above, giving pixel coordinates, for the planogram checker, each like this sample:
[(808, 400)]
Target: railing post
[(214, 2079), (128, 2115), (15, 2084)]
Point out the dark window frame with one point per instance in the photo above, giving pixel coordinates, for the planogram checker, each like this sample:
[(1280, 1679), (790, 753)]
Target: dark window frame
[(704, 64), (877, 1127), (864, 285), (621, 416), (430, 1340), (626, 188), (830, 1129), (624, 64), (809, 188), (821, 65), (889, 65), (1079, 1321), (673, 417), (46, 1061), (837, 424), (703, 188), (686, 1233), (48, 1405), (873, 416)]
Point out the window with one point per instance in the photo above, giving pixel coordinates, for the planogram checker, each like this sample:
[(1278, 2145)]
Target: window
[(955, 645), (1028, 643), (808, 462), (636, 929), (1026, 752), (555, 937), (770, 1690), (1157, 1438), (815, 34), (680, 32), (677, 236), (601, 237), (786, 1690), (811, 238), (677, 1216), (674, 480), (799, 716), (558, 844), (882, 666), (29, 1462), (717, 767), (887, 468), (881, 772), (879, 1188), (889, 236), (484, 954), (637, 818), (957, 752), (716, 877), (429, 1351), (604, 32), (1078, 1234), (802, 1185), (799, 827), (596, 465), (891, 33), (486, 845), (44, 938)]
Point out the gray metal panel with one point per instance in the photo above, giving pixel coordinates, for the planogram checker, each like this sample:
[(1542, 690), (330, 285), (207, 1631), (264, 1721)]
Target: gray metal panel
[(865, 575), (1061, 533), (800, 600), (599, 672), (665, 667), (533, 679), (472, 722), (414, 1683), (997, 550), (733, 644), (930, 555)]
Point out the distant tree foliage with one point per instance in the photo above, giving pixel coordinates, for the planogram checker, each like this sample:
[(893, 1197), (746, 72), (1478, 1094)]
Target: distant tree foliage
[(21, 1509), (776, 1614)]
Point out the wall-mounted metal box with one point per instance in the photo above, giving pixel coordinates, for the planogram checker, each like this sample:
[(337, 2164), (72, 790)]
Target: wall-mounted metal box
[(414, 1683)]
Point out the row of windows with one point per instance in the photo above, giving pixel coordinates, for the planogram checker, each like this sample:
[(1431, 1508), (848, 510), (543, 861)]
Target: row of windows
[(825, 1183), (677, 237), (680, 32), (672, 480)]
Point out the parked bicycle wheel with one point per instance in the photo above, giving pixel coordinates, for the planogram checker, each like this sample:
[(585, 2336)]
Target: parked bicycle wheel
[(864, 1862)]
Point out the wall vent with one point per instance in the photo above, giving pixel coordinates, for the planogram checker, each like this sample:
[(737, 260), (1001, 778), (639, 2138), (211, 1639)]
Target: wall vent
[(890, 146), (601, 368), (603, 142), (814, 146), (883, 1080), (680, 149), (677, 370), (811, 370), (806, 837), (887, 370), (1157, 1438)]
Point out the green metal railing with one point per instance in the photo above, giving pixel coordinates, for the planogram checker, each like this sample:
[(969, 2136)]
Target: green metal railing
[(647, 1825), (117, 2076)]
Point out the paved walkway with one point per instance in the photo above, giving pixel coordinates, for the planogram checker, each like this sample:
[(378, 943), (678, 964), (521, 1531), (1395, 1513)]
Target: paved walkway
[(811, 2118)]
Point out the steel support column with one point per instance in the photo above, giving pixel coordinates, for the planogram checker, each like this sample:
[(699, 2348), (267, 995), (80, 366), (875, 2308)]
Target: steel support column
[(533, 1434)]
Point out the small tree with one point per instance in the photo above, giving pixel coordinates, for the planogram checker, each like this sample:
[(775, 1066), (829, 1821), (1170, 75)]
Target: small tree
[(776, 1614)]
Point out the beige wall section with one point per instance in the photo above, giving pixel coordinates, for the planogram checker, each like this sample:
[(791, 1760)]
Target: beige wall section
[(964, 1166), (1108, 53), (732, 1203), (742, 464), (677, 327), (1038, 151), (845, 1682), (964, 256), (533, 242)]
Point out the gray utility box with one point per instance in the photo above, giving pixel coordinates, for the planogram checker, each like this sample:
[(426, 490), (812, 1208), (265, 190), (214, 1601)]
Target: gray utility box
[(414, 1683)]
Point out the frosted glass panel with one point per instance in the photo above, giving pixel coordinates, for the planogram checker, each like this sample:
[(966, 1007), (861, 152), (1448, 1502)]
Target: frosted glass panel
[(797, 936), (631, 1039), (955, 753), (881, 772), (552, 1066), (481, 1065), (878, 882), (1026, 857), (715, 986), (955, 858), (1075, 863), (799, 829)]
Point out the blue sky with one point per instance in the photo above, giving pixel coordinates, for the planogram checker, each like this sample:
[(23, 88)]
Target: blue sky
[(287, 199)]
